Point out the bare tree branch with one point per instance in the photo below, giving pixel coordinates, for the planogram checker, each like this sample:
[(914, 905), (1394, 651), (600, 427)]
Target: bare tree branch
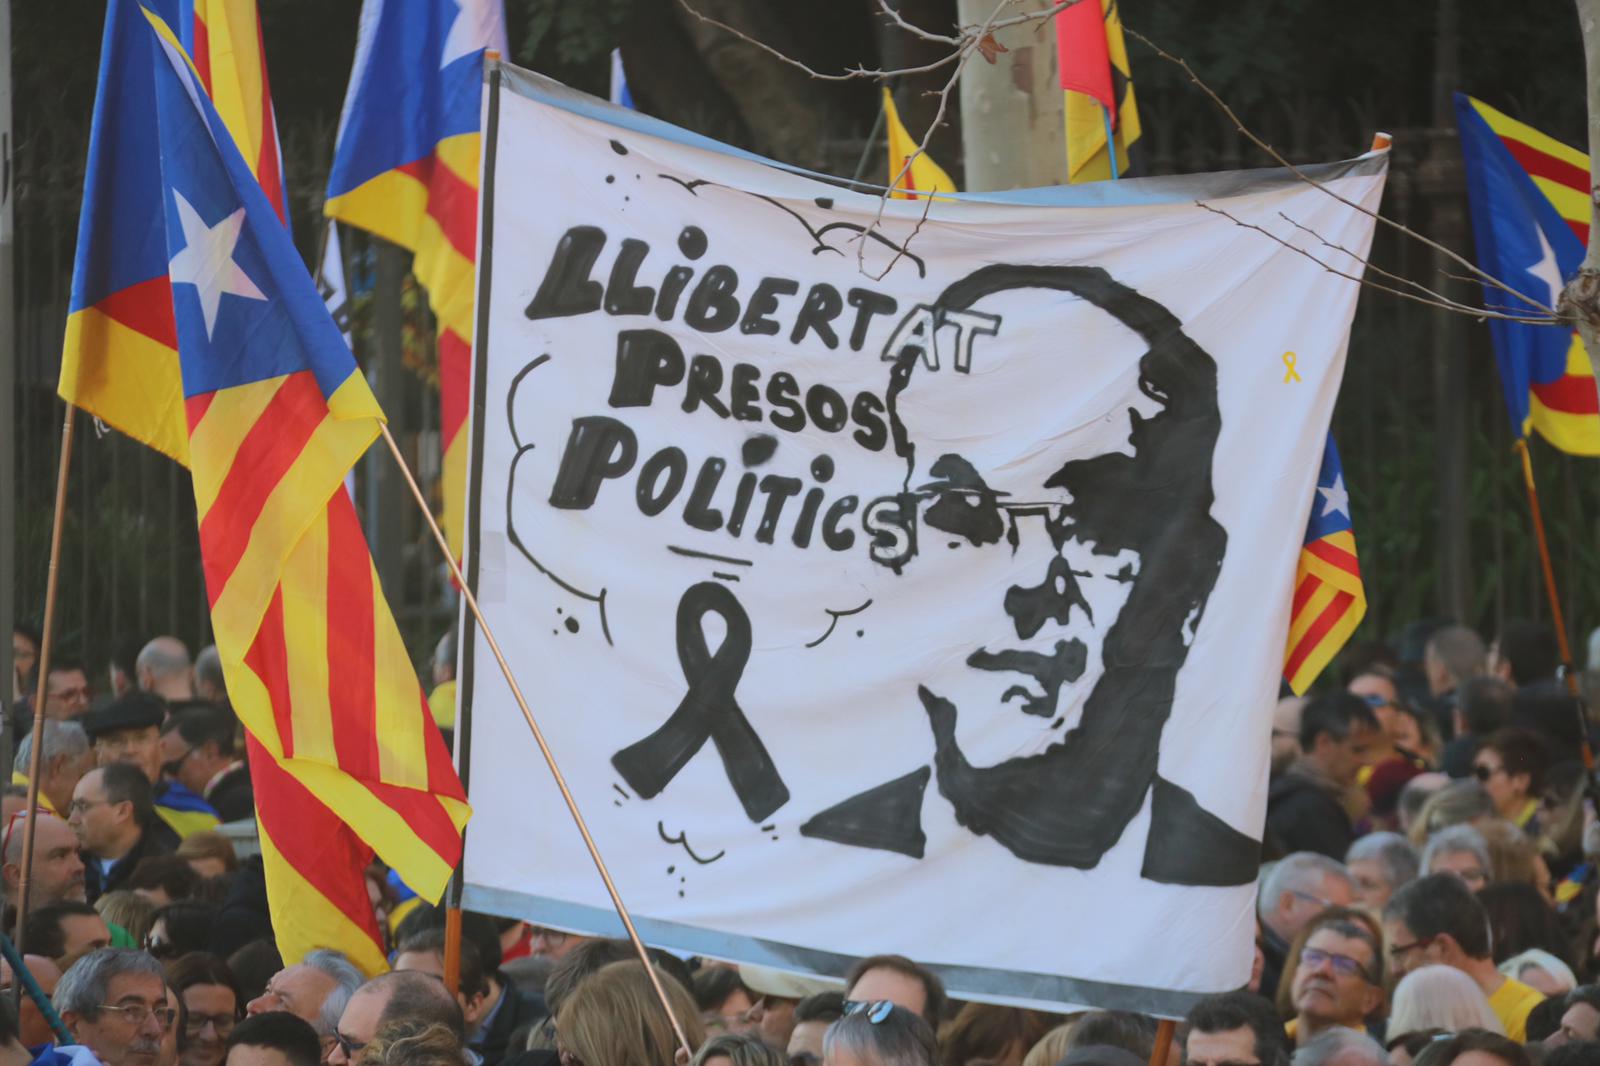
[(1432, 301), (1278, 157), (978, 39), (1457, 305)]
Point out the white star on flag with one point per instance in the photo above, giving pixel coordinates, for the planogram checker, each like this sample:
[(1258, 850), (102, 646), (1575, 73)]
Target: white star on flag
[(1337, 500), (1546, 269), (478, 24), (206, 261)]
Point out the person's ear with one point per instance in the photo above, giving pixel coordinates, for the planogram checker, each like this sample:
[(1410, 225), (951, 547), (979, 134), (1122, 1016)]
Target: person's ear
[(1371, 1001), (1285, 901), (1446, 949), (1521, 782)]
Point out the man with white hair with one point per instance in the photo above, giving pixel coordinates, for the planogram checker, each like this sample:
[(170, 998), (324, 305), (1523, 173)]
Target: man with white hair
[(163, 668), (1293, 892), (316, 990), (1341, 1047), (67, 757), (1380, 863)]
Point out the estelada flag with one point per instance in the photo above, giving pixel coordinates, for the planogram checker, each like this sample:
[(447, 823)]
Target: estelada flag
[(346, 758), (924, 175), (1097, 79), (406, 169), (1329, 598), (1529, 196)]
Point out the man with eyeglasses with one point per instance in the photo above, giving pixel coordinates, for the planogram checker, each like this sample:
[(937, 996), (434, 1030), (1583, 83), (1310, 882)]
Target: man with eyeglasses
[(1338, 982), (1437, 919), (114, 1002), (1293, 893), (66, 758), (114, 817), (315, 990), (552, 944), (395, 996), (67, 692)]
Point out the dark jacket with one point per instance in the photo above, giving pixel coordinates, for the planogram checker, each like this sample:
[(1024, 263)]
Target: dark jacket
[(233, 797), (1456, 760), (158, 838), (516, 1010), (1304, 813)]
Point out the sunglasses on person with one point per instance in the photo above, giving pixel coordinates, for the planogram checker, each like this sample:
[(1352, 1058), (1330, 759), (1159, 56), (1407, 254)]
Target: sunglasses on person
[(351, 1048), (1483, 773), (16, 819), (876, 1010)]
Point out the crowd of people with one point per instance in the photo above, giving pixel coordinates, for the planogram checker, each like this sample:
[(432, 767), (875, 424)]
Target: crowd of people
[(1429, 893)]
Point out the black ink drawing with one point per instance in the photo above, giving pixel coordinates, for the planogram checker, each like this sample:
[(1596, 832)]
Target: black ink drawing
[(512, 534), (1067, 805), (682, 840), (709, 711)]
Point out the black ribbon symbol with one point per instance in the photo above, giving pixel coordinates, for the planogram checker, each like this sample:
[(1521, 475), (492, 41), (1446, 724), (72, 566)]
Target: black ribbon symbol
[(708, 710)]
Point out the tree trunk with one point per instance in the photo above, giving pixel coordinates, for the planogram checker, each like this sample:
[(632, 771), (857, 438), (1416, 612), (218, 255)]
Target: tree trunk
[(1581, 298), (1012, 111), (669, 79)]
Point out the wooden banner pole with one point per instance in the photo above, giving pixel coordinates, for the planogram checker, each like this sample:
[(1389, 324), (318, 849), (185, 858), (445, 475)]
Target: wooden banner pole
[(41, 692), (1165, 1028), (538, 736), (1555, 608)]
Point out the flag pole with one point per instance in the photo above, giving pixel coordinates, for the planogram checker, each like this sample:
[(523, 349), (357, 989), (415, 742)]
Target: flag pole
[(1159, 1054), (35, 757), (1554, 596), (538, 736), (1111, 142)]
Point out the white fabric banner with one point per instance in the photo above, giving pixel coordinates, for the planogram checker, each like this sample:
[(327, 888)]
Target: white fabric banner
[(886, 582)]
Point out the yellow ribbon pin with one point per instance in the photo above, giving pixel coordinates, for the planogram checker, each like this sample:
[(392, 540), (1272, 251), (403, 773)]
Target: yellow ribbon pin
[(1289, 372)]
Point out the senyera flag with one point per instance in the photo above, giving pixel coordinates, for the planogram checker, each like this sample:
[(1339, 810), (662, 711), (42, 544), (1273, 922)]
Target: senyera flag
[(1329, 598), (406, 169), (1529, 195), (923, 175), (346, 759)]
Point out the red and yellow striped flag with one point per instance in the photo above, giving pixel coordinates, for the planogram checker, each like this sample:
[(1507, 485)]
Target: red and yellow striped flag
[(406, 169), (345, 758), (924, 175)]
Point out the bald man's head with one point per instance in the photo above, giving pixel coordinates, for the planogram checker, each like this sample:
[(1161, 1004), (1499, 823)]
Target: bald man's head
[(408, 995), (163, 667)]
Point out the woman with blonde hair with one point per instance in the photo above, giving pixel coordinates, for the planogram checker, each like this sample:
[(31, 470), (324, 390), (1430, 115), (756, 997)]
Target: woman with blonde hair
[(736, 1049), (1456, 803), (413, 1044), (1440, 997), (613, 1018), (128, 909), (1052, 1046)]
